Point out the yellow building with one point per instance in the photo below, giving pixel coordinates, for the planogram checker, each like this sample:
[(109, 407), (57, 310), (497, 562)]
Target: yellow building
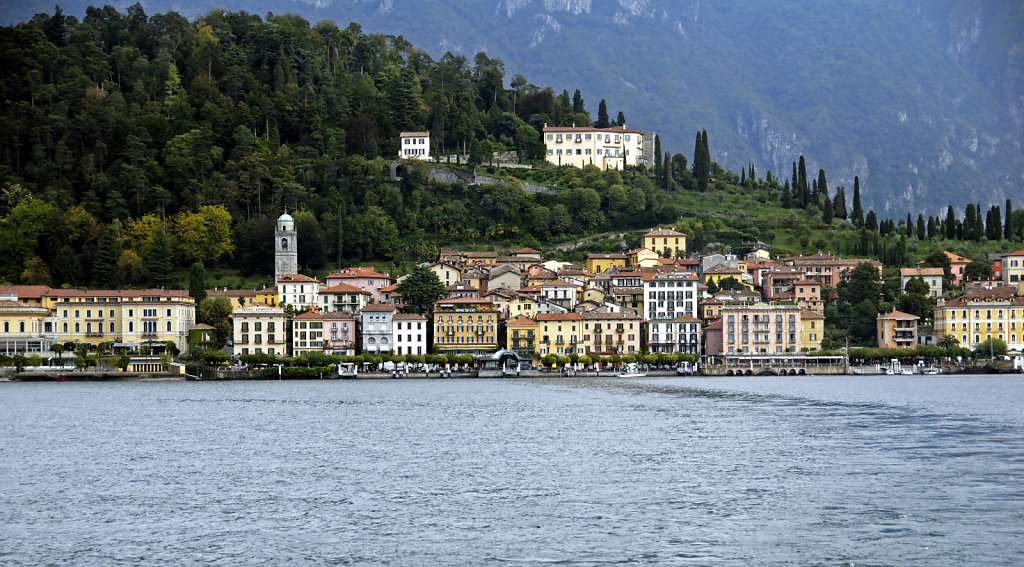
[(599, 263), (719, 272), (983, 314), (129, 317), (266, 296), (611, 333), (606, 148), (896, 330), (666, 242), (643, 258), (465, 325), (522, 306), (560, 334), (813, 324), (25, 328), (521, 335)]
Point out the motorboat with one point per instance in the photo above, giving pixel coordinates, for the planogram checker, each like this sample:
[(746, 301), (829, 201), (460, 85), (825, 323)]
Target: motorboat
[(632, 371)]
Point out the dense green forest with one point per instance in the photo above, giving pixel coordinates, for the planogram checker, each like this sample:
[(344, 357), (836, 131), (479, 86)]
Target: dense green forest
[(132, 147)]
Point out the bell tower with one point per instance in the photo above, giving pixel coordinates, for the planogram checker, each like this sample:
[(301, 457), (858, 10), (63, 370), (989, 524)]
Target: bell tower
[(286, 254)]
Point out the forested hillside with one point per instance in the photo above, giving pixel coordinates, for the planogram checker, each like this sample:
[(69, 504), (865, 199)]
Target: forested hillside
[(128, 139)]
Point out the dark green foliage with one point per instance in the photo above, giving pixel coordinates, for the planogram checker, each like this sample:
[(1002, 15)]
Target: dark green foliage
[(950, 223), (1009, 230), (159, 261), (976, 271), (602, 119), (197, 282), (857, 215), (420, 289)]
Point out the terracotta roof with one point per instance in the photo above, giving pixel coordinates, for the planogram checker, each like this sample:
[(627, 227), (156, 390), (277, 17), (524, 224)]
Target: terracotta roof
[(296, 278), (1017, 253), (309, 315), (231, 293), (669, 276), (525, 251), (984, 294), (201, 327), (463, 300), (558, 317), (663, 232), (29, 291), (557, 283), (379, 307), (896, 315), (914, 272), (389, 288), (722, 269), (716, 326), (409, 317), (808, 314), (686, 319), (414, 134), (358, 272), (958, 259), (520, 321), (629, 315), (344, 288), (584, 129)]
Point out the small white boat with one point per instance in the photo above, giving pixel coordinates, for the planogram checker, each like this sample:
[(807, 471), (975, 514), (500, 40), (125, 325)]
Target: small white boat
[(632, 371), (686, 369)]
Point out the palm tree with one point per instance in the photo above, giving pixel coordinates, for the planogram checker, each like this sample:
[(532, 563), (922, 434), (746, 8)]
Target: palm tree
[(59, 349), (947, 342)]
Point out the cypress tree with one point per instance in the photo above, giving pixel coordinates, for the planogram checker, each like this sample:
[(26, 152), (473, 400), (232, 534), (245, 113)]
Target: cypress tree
[(743, 176), (871, 221), (839, 204), (858, 212), (701, 166), (197, 282), (920, 227), (577, 103), (802, 182), (822, 185), (158, 260), (657, 155), (602, 115), (968, 222), (108, 250), (931, 227), (1008, 227), (979, 223), (950, 223), (620, 120), (826, 211), (787, 196), (666, 167), (752, 174), (910, 226)]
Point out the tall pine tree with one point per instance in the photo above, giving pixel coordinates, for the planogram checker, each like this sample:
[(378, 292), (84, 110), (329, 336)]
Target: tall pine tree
[(602, 116), (1009, 230), (950, 223), (858, 212)]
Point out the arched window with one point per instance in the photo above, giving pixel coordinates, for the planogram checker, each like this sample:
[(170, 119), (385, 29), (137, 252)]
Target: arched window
[(131, 326), (383, 340), (371, 341), (88, 328), (284, 244), (168, 326), (65, 326), (111, 326)]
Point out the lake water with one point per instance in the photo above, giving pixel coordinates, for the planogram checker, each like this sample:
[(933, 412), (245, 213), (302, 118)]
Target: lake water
[(890, 470)]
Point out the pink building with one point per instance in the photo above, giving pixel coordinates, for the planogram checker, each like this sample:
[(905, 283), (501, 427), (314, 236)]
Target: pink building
[(365, 278), (339, 333)]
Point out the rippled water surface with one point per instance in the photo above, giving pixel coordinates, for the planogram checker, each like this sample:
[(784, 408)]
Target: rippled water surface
[(732, 471)]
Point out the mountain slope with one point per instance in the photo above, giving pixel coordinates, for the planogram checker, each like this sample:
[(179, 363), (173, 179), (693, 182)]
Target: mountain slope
[(922, 100)]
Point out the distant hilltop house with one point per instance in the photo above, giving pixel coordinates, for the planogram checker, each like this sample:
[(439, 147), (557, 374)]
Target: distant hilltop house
[(607, 148), (414, 145)]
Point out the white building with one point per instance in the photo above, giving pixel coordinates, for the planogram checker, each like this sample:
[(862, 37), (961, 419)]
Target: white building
[(258, 329), (298, 290), (410, 334), (680, 335), (606, 148), (667, 296), (378, 328), (414, 145)]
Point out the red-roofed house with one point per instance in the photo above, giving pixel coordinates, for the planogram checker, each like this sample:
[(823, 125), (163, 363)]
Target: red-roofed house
[(897, 330)]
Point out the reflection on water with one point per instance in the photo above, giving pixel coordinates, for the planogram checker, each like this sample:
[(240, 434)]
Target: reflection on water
[(723, 471)]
